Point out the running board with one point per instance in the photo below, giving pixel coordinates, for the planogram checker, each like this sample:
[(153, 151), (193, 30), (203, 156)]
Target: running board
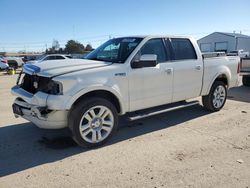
[(158, 110)]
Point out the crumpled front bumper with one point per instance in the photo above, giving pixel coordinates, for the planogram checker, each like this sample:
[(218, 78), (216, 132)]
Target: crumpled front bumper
[(34, 109)]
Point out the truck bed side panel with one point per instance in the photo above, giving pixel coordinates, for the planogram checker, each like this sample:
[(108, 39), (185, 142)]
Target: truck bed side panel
[(215, 67)]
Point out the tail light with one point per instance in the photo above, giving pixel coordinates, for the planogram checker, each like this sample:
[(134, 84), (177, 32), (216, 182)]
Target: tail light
[(238, 68)]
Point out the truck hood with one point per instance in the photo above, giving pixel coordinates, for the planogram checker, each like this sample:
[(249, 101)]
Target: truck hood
[(59, 67)]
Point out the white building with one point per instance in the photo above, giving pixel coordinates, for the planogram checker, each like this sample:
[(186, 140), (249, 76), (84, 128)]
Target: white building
[(219, 41)]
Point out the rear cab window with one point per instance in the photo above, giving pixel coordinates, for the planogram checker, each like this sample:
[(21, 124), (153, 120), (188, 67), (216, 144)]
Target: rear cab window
[(182, 49)]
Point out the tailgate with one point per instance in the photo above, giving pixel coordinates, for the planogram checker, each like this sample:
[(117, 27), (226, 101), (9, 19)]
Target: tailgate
[(245, 65)]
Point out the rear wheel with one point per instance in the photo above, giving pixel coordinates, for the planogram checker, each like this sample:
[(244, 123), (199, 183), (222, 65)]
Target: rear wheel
[(93, 121), (246, 81), (216, 98)]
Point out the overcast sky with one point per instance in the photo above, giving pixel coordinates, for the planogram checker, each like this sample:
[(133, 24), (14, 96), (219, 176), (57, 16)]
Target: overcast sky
[(31, 24)]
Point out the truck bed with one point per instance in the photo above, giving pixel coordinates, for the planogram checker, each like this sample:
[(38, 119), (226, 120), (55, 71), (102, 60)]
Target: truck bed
[(213, 54)]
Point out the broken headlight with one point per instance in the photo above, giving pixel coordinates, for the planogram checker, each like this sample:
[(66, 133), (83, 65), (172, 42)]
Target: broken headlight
[(54, 88), (51, 87)]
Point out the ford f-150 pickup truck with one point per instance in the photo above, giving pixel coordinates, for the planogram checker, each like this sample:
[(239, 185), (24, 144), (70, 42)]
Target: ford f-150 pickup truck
[(134, 77)]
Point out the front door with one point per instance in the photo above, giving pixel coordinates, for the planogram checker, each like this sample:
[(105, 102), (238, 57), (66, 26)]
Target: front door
[(151, 86)]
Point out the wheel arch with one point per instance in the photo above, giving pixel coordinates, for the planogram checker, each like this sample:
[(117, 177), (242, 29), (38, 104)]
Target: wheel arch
[(111, 95), (222, 76)]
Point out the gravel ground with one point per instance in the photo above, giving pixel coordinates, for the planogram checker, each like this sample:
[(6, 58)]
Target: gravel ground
[(183, 148)]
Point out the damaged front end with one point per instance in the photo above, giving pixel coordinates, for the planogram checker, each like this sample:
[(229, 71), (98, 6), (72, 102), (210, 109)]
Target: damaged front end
[(33, 83), (33, 92)]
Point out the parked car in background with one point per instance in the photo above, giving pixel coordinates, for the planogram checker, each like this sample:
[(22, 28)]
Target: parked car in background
[(133, 76), (31, 58), (15, 62), (50, 57), (80, 56), (245, 71), (240, 53), (3, 63)]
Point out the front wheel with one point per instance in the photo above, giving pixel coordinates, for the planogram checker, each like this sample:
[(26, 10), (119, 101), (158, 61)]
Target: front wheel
[(216, 98), (93, 121)]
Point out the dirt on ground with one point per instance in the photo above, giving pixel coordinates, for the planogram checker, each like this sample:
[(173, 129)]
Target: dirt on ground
[(184, 148)]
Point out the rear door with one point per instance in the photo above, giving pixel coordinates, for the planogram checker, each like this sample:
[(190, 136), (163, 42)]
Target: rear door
[(188, 69)]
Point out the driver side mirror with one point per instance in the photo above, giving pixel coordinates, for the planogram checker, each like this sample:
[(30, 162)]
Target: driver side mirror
[(146, 60)]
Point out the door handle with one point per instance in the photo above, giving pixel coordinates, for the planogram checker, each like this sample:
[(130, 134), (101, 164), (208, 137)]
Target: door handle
[(198, 67), (169, 70)]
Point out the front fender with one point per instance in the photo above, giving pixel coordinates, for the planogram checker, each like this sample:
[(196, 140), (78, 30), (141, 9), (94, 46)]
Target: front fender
[(114, 90)]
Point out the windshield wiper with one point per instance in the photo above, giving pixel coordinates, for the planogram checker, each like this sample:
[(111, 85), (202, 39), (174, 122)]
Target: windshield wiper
[(106, 60), (96, 59)]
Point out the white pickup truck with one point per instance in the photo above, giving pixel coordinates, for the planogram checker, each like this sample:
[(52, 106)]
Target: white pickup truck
[(133, 76)]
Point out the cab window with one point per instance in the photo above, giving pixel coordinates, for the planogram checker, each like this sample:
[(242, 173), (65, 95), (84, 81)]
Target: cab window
[(155, 46), (183, 49)]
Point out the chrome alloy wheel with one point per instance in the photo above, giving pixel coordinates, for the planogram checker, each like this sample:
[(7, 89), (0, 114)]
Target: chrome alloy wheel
[(219, 96), (96, 124)]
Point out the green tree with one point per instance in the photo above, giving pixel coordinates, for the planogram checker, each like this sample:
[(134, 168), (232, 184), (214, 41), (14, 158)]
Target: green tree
[(73, 46), (88, 47)]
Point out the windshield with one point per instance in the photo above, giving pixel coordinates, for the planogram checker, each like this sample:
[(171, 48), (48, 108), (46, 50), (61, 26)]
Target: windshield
[(115, 50)]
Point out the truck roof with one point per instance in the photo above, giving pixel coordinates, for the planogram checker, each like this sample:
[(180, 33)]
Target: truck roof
[(156, 36)]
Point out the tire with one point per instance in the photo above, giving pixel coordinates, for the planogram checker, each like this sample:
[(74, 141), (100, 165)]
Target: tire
[(246, 81), (98, 119), (215, 103)]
